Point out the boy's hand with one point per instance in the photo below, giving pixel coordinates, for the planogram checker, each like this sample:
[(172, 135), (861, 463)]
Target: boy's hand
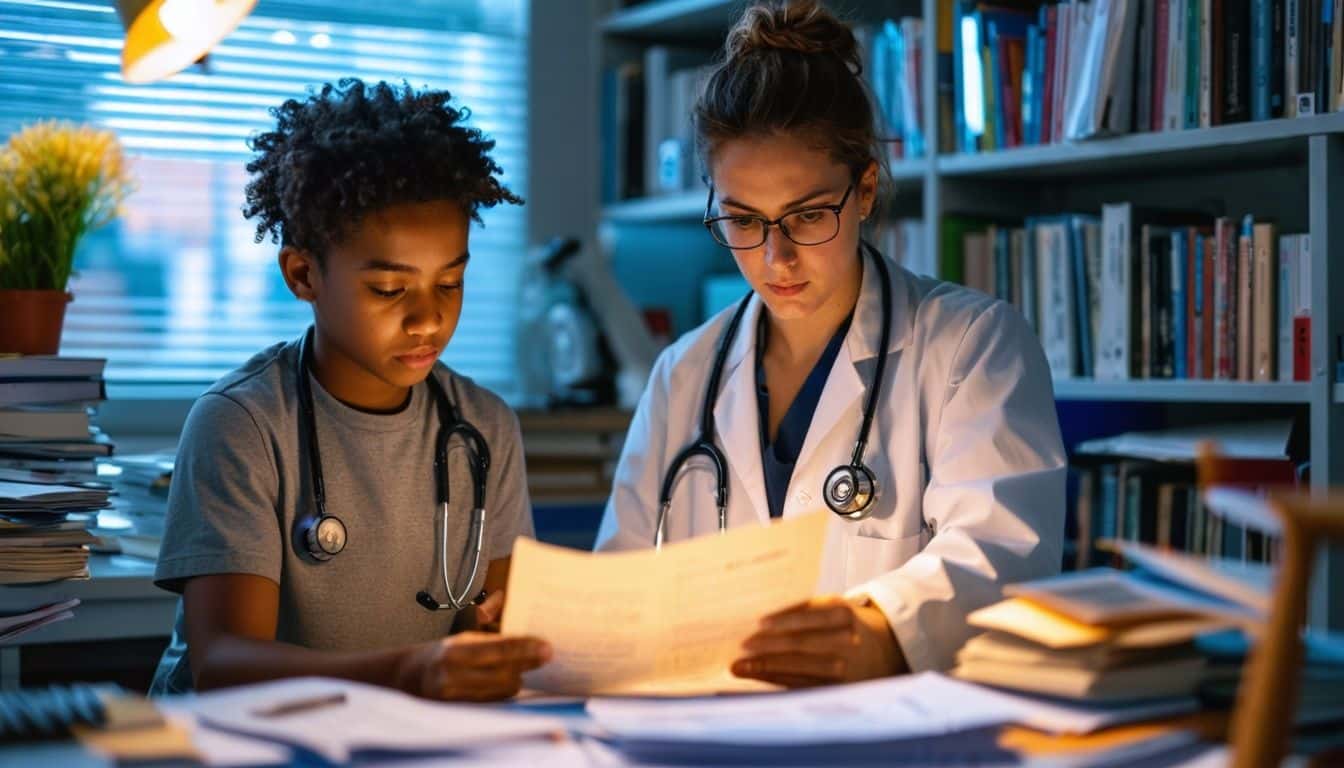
[(825, 640), (489, 612), (471, 666)]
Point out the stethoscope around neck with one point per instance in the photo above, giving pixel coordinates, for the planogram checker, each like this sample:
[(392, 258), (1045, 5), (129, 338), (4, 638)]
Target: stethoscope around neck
[(323, 536), (849, 490)]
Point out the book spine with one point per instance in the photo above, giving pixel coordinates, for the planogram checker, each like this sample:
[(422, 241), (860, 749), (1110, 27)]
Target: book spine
[(1162, 55), (1146, 324), (1194, 35), (1287, 304), (1195, 317), (1266, 270), (1051, 14), (1082, 306), (1325, 48), (1290, 66), (1302, 322), (1206, 64), (1223, 307), (1236, 64), (1210, 260), (1302, 348), (1245, 298), (1113, 359), (1179, 343), (1176, 70), (1276, 62), (1261, 26), (1162, 308)]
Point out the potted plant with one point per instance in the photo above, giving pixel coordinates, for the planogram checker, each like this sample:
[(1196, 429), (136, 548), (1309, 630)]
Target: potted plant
[(57, 181)]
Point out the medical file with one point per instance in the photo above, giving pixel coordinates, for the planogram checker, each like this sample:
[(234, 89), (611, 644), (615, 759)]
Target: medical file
[(659, 622)]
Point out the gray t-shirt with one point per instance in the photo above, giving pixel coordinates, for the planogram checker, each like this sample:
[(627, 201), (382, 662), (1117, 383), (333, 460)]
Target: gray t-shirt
[(241, 484)]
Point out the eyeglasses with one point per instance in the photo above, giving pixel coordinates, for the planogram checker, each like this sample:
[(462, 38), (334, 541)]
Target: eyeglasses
[(809, 226)]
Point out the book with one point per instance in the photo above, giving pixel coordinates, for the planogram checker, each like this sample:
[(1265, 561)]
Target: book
[(1245, 298), (1265, 313), (45, 423), (21, 367), (1178, 677), (41, 392)]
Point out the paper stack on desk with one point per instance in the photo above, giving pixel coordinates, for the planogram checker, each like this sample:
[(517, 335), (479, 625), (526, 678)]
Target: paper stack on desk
[(926, 718), (659, 622), (340, 721), (1095, 635), (44, 532)]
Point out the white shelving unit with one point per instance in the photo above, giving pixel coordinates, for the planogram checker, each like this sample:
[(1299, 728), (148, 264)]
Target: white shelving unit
[(1311, 147)]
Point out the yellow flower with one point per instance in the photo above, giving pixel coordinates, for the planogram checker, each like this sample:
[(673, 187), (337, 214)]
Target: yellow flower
[(57, 181)]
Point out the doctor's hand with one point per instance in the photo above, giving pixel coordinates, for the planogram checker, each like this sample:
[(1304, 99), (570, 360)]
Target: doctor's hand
[(825, 640), (471, 666)]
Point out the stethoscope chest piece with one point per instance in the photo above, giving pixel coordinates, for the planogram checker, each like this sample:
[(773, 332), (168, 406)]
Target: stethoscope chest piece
[(325, 537), (850, 491)]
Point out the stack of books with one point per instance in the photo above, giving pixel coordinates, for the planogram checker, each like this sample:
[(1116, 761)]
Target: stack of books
[(45, 414), (44, 530), (1096, 635)]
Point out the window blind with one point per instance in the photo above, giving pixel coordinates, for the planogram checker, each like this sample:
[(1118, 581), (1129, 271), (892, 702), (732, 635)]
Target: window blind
[(176, 292)]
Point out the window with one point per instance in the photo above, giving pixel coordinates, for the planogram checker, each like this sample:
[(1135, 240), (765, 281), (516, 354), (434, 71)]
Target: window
[(176, 292)]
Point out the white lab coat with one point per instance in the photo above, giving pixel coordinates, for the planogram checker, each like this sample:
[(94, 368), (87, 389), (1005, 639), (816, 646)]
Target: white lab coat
[(966, 385)]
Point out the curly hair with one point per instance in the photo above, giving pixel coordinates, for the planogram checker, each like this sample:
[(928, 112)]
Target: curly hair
[(348, 150)]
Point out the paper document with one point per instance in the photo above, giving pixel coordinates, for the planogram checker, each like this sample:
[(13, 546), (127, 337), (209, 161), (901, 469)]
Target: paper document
[(892, 708), (659, 623), (1241, 440), (339, 719)]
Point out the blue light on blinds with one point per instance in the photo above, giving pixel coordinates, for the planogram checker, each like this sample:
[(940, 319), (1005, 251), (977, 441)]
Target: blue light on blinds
[(176, 293)]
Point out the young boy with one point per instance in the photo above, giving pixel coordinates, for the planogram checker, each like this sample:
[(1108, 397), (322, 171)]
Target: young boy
[(370, 192)]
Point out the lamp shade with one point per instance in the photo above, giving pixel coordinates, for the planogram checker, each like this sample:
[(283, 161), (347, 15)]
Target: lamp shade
[(164, 37)]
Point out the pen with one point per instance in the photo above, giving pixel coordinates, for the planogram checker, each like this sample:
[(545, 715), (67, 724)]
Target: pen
[(300, 705)]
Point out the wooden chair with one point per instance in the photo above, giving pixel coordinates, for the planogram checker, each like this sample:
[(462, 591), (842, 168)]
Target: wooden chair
[(1262, 722)]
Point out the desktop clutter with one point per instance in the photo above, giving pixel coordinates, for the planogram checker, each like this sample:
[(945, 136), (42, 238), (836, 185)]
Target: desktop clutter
[(1097, 667), (63, 494)]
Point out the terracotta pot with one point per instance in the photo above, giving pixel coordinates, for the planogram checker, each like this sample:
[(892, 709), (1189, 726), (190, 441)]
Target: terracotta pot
[(31, 321)]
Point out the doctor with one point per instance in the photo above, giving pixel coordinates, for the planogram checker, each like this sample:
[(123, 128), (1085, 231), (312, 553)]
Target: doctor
[(959, 487)]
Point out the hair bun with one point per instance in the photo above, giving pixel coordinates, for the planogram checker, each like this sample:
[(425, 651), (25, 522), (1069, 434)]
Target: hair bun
[(799, 26)]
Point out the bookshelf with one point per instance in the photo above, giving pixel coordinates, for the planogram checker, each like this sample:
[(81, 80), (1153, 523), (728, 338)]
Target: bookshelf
[(1183, 391), (1290, 167)]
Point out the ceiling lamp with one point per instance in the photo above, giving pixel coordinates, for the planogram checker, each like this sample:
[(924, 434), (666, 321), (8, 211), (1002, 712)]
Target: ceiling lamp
[(164, 37)]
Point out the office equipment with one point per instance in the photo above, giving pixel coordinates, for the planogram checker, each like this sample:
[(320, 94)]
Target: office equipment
[(658, 622)]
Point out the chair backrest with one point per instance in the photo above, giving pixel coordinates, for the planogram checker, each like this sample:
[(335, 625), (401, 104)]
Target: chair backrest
[(1267, 698)]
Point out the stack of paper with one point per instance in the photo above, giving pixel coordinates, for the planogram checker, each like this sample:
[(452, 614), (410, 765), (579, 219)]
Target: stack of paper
[(44, 532), (339, 722), (16, 623), (1098, 635), (925, 719)]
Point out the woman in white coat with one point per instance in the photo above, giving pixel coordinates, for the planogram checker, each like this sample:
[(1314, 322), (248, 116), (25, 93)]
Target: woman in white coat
[(964, 446)]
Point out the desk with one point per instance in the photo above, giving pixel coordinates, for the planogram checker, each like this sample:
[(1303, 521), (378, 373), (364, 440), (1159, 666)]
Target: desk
[(118, 602)]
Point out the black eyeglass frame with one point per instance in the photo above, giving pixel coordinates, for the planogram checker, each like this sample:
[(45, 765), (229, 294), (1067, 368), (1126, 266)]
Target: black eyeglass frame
[(776, 222)]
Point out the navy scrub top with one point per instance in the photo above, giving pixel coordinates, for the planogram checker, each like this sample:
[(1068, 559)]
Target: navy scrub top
[(779, 458)]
